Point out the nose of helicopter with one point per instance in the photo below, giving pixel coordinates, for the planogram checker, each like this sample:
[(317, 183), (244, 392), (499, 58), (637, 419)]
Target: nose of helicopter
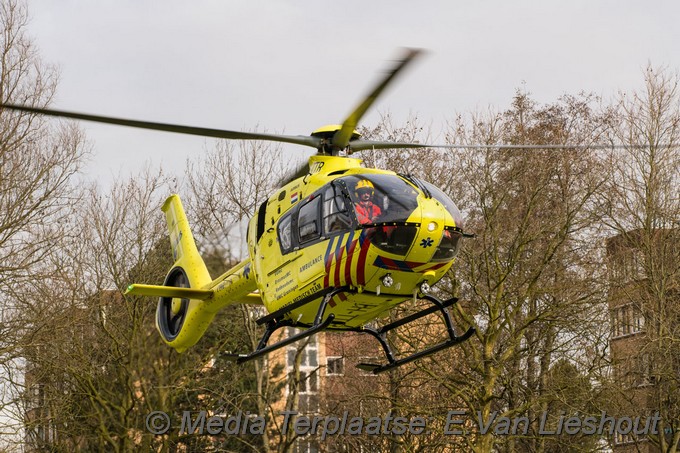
[(429, 243), (430, 232)]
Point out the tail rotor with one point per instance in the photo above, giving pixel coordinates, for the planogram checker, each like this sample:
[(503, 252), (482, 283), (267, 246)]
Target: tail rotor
[(172, 311)]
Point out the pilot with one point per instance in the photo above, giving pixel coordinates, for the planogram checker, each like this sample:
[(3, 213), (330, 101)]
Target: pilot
[(367, 211)]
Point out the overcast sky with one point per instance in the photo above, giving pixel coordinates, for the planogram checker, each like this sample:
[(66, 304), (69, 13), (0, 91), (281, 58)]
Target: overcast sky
[(293, 66)]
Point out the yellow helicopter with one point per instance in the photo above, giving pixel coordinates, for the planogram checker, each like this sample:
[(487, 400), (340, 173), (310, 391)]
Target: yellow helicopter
[(333, 249)]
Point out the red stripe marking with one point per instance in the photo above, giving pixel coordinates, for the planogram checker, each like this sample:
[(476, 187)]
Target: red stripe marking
[(433, 267), (348, 264), (361, 277), (329, 262), (338, 261), (389, 263)]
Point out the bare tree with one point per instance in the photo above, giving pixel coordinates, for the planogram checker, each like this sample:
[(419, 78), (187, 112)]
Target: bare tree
[(37, 159), (37, 163), (642, 209), (527, 282), (89, 361)]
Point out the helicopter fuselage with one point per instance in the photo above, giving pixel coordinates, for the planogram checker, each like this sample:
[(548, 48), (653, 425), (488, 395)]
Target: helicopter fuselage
[(309, 237)]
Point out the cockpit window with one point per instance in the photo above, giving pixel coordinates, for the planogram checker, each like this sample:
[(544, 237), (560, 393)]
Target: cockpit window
[(308, 220), (285, 234), (449, 245), (447, 202), (381, 198), (336, 217)]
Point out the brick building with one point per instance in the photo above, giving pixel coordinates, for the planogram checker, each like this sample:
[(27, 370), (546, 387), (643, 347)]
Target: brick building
[(643, 302), (329, 381)]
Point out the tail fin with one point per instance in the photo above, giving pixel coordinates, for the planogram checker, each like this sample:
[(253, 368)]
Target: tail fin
[(181, 317), (184, 250)]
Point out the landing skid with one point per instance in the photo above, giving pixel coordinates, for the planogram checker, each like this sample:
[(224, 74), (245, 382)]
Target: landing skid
[(276, 321), (381, 336)]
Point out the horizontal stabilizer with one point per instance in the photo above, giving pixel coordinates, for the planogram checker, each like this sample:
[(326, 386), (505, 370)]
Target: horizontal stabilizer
[(169, 291), (252, 299)]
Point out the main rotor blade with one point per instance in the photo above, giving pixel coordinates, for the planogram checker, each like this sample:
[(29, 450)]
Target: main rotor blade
[(342, 137), (359, 145), (304, 140)]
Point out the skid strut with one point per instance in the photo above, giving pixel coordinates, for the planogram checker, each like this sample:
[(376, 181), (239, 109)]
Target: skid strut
[(276, 320), (381, 336)]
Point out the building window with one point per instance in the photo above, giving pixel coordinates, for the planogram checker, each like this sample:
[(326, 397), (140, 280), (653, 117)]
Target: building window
[(309, 403), (335, 366), (622, 439), (635, 371), (627, 320), (309, 382), (309, 392), (638, 320), (627, 265), (306, 445), (644, 371)]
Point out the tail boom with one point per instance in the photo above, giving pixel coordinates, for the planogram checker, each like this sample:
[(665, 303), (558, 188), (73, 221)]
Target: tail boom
[(189, 298)]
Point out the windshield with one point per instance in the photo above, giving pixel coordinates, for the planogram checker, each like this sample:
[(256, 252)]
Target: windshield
[(381, 198)]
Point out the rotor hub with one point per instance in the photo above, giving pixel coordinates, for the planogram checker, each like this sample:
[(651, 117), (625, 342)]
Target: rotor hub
[(326, 134)]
